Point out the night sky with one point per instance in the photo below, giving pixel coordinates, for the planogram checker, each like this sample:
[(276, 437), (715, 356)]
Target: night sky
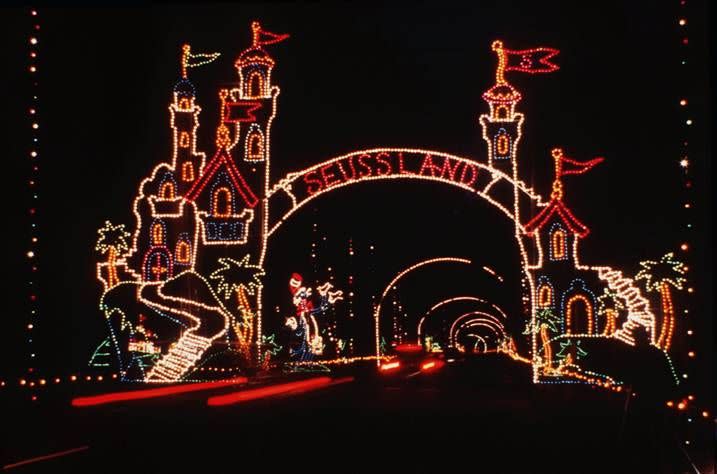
[(355, 77)]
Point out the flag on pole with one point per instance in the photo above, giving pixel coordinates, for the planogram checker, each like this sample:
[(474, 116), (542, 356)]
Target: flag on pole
[(262, 37), (577, 167), (194, 60), (533, 61), (565, 166)]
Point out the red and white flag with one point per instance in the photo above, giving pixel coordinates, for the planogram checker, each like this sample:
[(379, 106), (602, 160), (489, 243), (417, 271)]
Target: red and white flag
[(570, 166), (532, 61), (262, 37), (565, 165)]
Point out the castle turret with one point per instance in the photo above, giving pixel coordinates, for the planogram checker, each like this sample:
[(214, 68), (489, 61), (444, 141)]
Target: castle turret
[(254, 66), (252, 107), (563, 229), (563, 285), (231, 192), (502, 127), (187, 163)]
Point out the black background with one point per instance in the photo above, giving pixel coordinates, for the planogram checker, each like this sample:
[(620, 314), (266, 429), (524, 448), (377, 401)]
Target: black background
[(353, 77)]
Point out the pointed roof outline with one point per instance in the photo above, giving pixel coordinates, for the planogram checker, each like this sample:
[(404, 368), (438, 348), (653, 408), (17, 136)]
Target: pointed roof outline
[(544, 216), (222, 158)]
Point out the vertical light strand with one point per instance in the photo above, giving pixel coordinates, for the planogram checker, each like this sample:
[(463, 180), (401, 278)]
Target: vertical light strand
[(684, 162), (330, 314), (684, 102), (684, 158), (372, 278), (350, 324), (34, 154)]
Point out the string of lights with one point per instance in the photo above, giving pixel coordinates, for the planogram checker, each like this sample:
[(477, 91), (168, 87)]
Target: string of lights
[(684, 323), (33, 183), (41, 382), (684, 163), (348, 341)]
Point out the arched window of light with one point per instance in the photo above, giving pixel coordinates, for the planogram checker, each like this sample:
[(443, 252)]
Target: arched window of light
[(222, 202), (545, 295), (188, 171), (255, 146), (256, 84), (184, 139), (183, 252), (558, 244), (578, 315), (166, 191), (157, 234)]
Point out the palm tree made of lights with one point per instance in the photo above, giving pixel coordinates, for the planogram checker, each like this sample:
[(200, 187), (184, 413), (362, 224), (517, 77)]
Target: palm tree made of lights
[(113, 242), (545, 323), (610, 305), (241, 278), (659, 276)]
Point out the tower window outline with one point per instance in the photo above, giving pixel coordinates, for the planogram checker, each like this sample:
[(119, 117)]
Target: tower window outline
[(187, 171), (545, 295), (183, 253), (502, 144), (558, 243), (255, 84), (167, 191), (184, 139), (158, 233), (254, 146), (222, 202)]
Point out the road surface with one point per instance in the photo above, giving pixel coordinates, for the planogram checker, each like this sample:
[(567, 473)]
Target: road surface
[(479, 416)]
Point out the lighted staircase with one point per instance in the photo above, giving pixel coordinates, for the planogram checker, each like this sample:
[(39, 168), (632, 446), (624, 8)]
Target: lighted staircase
[(638, 307), (180, 359)]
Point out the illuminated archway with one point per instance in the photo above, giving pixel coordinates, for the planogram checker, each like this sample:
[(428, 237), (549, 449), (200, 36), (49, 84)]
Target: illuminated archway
[(476, 324), (490, 184), (570, 309), (479, 339), (299, 188), (377, 311), (499, 186), (448, 301), (475, 316), (479, 325)]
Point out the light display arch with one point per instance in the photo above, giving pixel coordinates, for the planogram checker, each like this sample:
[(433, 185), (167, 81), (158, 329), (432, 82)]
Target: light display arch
[(480, 179), (226, 209)]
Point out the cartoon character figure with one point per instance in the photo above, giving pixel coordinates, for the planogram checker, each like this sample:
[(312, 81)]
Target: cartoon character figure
[(304, 324)]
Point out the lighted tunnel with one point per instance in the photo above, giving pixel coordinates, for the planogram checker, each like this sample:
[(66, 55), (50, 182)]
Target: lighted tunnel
[(394, 226), (491, 327)]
